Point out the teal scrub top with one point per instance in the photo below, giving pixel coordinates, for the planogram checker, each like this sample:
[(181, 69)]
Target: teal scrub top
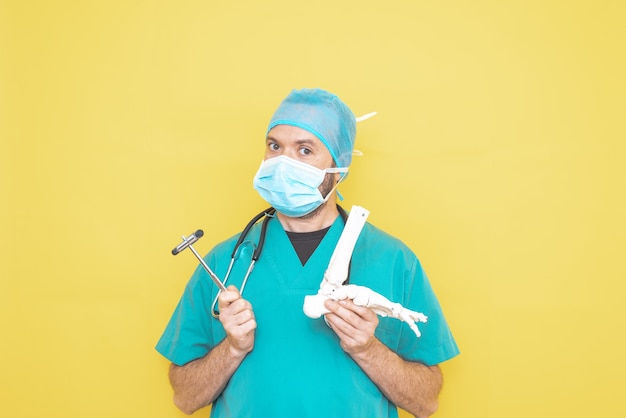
[(297, 367)]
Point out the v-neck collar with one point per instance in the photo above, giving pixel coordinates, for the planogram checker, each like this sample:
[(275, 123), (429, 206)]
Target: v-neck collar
[(281, 254)]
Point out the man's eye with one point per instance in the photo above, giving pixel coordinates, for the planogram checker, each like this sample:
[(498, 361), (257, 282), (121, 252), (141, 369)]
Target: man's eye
[(273, 147), (305, 151)]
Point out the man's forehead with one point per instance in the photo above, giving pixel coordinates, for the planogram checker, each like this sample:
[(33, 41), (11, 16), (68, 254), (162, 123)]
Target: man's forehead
[(283, 133)]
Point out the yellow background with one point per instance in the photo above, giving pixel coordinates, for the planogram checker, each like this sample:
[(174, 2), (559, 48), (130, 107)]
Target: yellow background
[(497, 155)]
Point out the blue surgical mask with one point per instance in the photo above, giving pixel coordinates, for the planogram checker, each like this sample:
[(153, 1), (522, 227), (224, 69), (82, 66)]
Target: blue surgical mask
[(291, 186)]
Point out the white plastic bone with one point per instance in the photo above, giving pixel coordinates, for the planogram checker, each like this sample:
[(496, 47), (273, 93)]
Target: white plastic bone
[(339, 263), (332, 284)]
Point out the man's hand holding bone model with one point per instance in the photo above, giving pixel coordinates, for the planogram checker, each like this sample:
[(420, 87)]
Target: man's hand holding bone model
[(410, 385), (354, 325)]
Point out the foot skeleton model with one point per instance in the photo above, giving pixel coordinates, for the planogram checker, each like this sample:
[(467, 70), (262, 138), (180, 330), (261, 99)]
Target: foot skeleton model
[(332, 286)]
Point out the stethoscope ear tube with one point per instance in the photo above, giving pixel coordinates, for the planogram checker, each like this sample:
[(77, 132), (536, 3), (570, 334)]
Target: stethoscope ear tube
[(257, 252), (267, 213)]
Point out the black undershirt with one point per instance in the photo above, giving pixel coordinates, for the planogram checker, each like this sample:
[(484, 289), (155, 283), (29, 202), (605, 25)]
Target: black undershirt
[(305, 243)]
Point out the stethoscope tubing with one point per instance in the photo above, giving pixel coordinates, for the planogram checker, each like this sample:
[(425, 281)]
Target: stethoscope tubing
[(267, 214)]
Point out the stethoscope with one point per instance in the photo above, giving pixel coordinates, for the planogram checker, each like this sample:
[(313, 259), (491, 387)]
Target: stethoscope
[(267, 214)]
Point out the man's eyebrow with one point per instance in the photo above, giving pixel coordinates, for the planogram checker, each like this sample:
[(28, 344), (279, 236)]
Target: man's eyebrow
[(305, 141), (298, 141)]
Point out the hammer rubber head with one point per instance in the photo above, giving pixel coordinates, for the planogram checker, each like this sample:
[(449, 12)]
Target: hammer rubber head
[(188, 241)]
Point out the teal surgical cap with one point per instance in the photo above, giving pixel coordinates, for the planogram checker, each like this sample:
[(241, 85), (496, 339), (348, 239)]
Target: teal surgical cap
[(325, 116)]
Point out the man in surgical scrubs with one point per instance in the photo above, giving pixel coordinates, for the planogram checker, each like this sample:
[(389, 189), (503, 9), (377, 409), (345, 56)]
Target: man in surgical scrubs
[(261, 356)]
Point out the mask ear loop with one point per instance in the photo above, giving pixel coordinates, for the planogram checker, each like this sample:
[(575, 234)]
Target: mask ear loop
[(366, 116), (344, 173)]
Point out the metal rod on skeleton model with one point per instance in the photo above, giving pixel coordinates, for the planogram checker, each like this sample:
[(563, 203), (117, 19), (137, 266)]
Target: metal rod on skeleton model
[(187, 241)]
